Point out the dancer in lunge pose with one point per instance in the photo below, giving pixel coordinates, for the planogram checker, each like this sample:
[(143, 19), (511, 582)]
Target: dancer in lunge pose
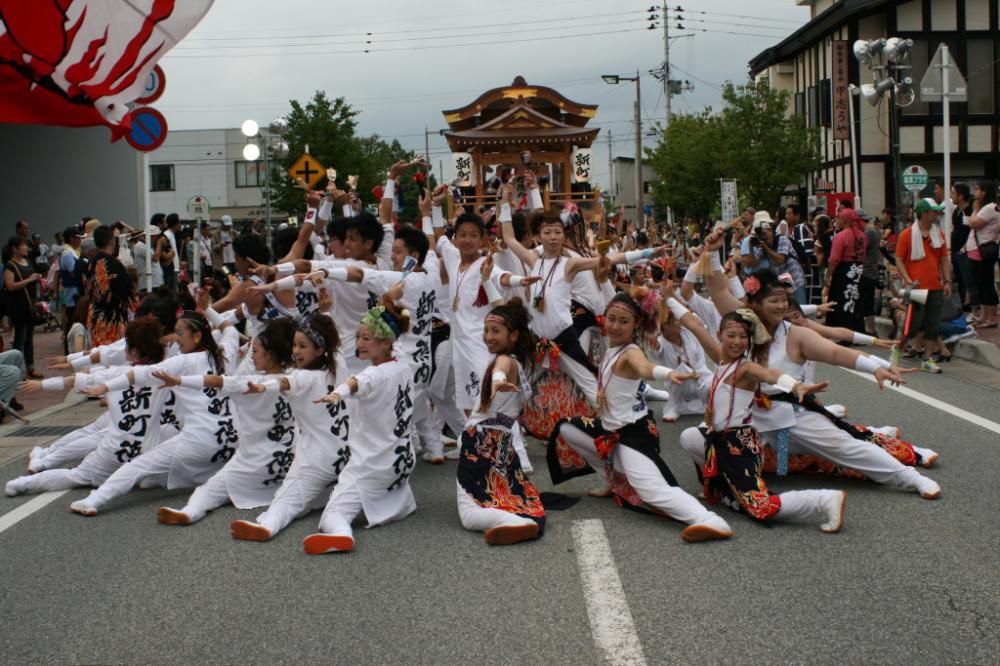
[(494, 495), (376, 480), (623, 442)]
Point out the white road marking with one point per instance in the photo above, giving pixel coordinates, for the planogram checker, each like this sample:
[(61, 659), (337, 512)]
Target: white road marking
[(8, 520), (610, 618), (937, 404)]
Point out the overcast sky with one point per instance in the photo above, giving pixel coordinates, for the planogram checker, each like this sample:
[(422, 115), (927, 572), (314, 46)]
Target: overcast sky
[(247, 58)]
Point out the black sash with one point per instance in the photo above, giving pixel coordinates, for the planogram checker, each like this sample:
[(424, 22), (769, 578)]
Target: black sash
[(569, 344)]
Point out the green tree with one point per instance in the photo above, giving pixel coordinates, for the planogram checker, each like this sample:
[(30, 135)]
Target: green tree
[(687, 162), (765, 148), (328, 127)]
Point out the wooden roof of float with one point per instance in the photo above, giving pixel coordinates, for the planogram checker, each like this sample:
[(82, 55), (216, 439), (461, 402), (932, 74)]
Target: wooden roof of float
[(520, 114)]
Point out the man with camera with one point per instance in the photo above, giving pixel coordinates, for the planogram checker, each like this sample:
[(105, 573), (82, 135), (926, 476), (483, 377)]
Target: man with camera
[(765, 249)]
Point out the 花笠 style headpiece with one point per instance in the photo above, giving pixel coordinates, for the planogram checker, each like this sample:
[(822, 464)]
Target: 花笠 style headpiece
[(751, 286), (759, 334), (381, 323), (570, 215)]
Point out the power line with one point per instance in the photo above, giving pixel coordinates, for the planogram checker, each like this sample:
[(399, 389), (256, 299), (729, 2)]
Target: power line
[(681, 10)]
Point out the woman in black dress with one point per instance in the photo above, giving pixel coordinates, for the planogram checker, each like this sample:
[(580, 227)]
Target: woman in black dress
[(19, 279)]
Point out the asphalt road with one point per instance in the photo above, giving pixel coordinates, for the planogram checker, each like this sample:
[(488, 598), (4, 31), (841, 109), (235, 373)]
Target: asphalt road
[(907, 581)]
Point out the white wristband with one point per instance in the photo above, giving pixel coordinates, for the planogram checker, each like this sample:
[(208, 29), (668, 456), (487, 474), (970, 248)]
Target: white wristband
[(505, 215), (389, 191), (516, 280), (736, 287), (809, 310), (213, 317), (438, 217), (75, 355), (285, 268), (787, 383), (427, 224), (866, 364), (862, 339), (535, 199), (690, 275), (53, 384), (881, 361), (119, 383), (677, 309), (499, 376), (343, 390), (326, 210), (338, 273), (271, 385), (347, 210), (81, 363), (714, 261), (661, 373), (310, 216), (230, 384), (195, 381), (285, 283), (492, 294), (637, 256)]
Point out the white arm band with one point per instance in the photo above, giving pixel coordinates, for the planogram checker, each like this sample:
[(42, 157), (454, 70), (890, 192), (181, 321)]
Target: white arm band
[(736, 287), (81, 363), (535, 199), (787, 383), (389, 191), (428, 225), (690, 275), (271, 385), (677, 309), (492, 294), (516, 280), (343, 390), (636, 256), (286, 283), (285, 268), (75, 355), (713, 259), (195, 381), (217, 320), (119, 383), (862, 339), (438, 217), (809, 310), (347, 210), (53, 384), (230, 384), (505, 215), (326, 210), (499, 376), (881, 361), (661, 373), (338, 273), (866, 364)]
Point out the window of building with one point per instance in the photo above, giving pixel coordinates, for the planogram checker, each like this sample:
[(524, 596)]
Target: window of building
[(910, 16), (812, 106), (825, 103), (250, 174), (161, 177), (800, 105), (979, 60), (977, 14), (944, 15), (918, 60)]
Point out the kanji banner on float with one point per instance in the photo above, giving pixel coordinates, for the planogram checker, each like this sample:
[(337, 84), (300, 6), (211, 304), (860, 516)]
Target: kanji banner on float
[(81, 62)]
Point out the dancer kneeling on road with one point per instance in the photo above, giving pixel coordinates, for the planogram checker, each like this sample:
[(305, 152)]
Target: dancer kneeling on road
[(494, 495), (731, 458), (267, 430), (623, 443), (376, 480)]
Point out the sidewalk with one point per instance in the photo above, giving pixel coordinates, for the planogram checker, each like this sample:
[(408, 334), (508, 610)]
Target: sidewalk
[(46, 344), (983, 349)]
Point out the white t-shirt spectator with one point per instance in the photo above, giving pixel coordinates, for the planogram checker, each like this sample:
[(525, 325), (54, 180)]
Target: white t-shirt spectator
[(987, 233), (228, 256), (139, 253)]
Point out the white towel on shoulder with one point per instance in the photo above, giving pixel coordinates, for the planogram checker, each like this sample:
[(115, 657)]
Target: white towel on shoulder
[(917, 240)]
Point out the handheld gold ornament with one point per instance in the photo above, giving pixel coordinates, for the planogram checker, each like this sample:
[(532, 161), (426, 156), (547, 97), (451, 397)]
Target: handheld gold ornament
[(352, 182), (331, 175)]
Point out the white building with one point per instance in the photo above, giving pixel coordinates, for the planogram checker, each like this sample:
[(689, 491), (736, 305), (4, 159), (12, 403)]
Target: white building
[(208, 163), (623, 188)]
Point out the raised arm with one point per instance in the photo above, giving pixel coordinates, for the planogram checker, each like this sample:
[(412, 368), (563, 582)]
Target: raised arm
[(717, 282), (507, 228), (691, 322)]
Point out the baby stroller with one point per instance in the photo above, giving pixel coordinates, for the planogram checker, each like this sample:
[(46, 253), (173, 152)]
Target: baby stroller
[(47, 306)]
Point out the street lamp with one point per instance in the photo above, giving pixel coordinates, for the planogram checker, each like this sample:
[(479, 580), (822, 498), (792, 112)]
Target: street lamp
[(271, 147), (615, 79)]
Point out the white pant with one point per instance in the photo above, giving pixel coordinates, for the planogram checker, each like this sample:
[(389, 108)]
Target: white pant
[(152, 468), (477, 518), (344, 506), (305, 488), (72, 447), (92, 471), (798, 506), (642, 475), (207, 497), (423, 422), (442, 389)]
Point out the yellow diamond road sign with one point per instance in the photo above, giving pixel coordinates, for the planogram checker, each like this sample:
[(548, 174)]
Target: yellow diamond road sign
[(308, 169)]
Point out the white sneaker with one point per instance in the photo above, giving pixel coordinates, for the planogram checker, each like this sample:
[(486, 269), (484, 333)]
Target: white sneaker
[(655, 394), (13, 488), (448, 442), (83, 507), (711, 526), (527, 469), (36, 452), (928, 488), (431, 458), (889, 431), (927, 456), (670, 416), (832, 508), (36, 466), (837, 410)]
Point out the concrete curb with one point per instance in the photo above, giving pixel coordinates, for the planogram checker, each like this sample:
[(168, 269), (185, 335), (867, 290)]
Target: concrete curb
[(72, 400), (975, 351)]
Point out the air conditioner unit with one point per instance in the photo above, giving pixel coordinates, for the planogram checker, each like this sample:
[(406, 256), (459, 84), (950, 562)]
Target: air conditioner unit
[(785, 68)]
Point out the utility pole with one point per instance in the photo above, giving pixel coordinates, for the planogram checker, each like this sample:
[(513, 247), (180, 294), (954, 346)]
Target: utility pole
[(611, 172), (427, 156), (640, 221), (666, 65)]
